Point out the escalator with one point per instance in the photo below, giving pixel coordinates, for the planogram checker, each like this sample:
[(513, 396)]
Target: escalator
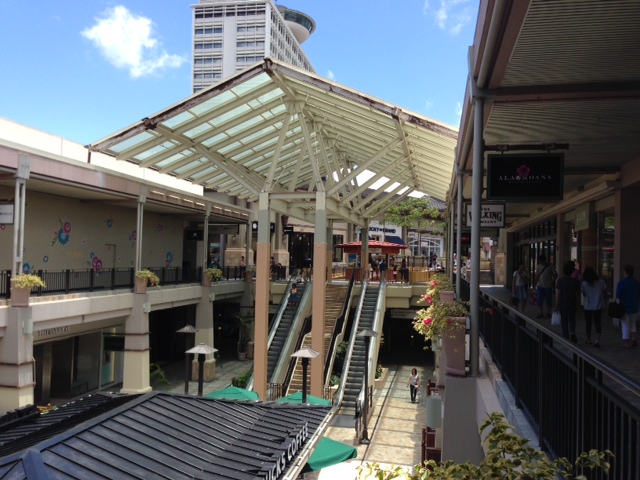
[(285, 332), (368, 317), (283, 329)]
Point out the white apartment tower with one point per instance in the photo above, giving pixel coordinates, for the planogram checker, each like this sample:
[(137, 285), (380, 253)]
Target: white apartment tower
[(230, 35)]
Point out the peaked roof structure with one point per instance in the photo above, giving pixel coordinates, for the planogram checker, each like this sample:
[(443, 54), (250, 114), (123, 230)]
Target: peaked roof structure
[(276, 129), (160, 435)]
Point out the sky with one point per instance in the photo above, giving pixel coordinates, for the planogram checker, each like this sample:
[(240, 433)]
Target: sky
[(84, 70)]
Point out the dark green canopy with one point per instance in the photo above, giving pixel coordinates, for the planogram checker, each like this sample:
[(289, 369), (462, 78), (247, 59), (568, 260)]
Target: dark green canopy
[(233, 393), (329, 452)]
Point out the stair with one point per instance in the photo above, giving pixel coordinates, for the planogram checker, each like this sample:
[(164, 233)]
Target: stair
[(280, 337), (335, 297), (355, 375)]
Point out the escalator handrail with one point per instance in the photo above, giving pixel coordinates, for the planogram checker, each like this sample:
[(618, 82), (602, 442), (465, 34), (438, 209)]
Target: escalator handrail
[(306, 328), (276, 323), (296, 326), (338, 332), (352, 342)]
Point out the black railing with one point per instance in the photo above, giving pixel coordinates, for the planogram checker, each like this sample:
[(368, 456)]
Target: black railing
[(575, 401), (88, 280)]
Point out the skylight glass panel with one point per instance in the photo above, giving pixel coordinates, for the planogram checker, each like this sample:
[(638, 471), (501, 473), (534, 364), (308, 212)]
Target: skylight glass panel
[(228, 148), (132, 142), (236, 112), (200, 129), (178, 120), (154, 150), (173, 159), (215, 139), (251, 84), (187, 167)]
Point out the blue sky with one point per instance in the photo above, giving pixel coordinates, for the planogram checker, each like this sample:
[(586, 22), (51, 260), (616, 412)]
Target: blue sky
[(65, 69)]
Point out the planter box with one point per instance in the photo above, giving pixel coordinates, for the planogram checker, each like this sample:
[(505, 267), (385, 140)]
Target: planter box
[(141, 285), (380, 382), (20, 297)]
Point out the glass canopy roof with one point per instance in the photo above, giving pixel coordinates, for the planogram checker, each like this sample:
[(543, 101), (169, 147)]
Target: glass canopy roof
[(274, 128)]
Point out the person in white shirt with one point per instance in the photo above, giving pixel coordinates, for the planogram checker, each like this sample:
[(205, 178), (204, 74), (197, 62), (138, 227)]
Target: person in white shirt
[(593, 289)]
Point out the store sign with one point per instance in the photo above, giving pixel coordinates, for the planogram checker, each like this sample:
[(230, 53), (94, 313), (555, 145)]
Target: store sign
[(491, 215), (525, 177), (114, 343), (583, 217), (254, 226), (224, 229), (291, 446), (287, 229), (6, 214)]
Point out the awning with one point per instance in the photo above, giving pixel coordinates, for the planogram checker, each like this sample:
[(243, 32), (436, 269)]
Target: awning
[(329, 452), (374, 246), (393, 239), (233, 393), (311, 400)]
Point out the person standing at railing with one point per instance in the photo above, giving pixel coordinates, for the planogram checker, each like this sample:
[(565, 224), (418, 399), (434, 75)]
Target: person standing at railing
[(520, 287), (628, 295), (383, 269), (243, 267)]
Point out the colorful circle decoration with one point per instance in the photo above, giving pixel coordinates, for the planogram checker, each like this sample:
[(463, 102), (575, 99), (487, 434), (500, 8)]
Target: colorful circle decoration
[(26, 268), (62, 234), (109, 222), (45, 259)]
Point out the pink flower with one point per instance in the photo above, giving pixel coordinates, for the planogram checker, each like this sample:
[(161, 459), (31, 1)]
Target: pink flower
[(523, 171), (427, 321), (429, 299)]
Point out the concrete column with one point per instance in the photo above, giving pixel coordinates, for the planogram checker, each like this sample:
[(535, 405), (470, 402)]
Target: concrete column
[(136, 378), (22, 175), (261, 332), (476, 204), (319, 290), (627, 230), (16, 360), (142, 198), (589, 244), (205, 334)]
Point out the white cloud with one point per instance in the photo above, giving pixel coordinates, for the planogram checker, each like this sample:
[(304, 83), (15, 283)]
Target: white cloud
[(458, 109), (428, 104), (330, 75), (450, 15), (127, 41)]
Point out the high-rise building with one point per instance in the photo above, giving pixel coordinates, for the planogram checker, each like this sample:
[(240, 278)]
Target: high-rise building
[(230, 35)]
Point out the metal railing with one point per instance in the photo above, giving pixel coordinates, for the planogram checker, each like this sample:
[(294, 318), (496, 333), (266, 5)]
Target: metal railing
[(574, 400), (89, 280)]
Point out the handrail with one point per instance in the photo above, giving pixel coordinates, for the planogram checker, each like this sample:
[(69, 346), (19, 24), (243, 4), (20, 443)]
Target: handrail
[(276, 323), (289, 345), (352, 341), (338, 332), (291, 366)]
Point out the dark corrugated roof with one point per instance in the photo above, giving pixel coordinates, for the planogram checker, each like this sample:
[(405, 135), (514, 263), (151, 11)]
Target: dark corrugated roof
[(31, 429), (160, 435)]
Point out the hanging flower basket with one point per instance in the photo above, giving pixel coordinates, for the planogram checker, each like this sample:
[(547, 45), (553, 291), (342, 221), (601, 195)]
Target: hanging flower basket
[(435, 321)]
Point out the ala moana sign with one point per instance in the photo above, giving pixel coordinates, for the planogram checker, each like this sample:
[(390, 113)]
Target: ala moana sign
[(525, 177)]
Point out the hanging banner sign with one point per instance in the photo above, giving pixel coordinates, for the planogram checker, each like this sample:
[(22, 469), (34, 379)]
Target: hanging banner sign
[(491, 215), (6, 214), (525, 177)]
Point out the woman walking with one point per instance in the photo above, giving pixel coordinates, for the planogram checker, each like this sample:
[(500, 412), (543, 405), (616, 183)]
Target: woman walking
[(414, 384), (567, 289), (593, 289)]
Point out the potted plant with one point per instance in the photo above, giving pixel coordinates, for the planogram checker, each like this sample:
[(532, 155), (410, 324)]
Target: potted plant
[(244, 334), (439, 289), (446, 322), (211, 275), (144, 278), (21, 286)]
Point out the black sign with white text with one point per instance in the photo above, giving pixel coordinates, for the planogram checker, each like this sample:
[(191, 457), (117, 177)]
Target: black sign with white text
[(525, 177)]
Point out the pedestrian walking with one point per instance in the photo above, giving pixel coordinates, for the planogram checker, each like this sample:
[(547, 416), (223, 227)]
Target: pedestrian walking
[(628, 295), (519, 287), (567, 289), (414, 384), (593, 289)]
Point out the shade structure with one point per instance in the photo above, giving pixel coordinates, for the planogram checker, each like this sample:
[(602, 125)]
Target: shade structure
[(233, 393), (375, 246), (329, 452), (311, 400)]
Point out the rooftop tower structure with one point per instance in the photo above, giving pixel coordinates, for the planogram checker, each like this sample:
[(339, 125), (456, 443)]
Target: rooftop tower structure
[(230, 35)]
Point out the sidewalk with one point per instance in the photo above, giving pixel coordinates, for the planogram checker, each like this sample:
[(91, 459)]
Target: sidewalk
[(395, 429)]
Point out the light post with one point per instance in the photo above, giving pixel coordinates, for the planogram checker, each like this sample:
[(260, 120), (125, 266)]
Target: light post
[(202, 350), (305, 354), (187, 372), (367, 334)]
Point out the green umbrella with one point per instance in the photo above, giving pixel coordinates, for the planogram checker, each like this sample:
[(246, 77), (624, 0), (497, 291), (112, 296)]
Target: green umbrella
[(233, 393), (311, 400), (329, 452)]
